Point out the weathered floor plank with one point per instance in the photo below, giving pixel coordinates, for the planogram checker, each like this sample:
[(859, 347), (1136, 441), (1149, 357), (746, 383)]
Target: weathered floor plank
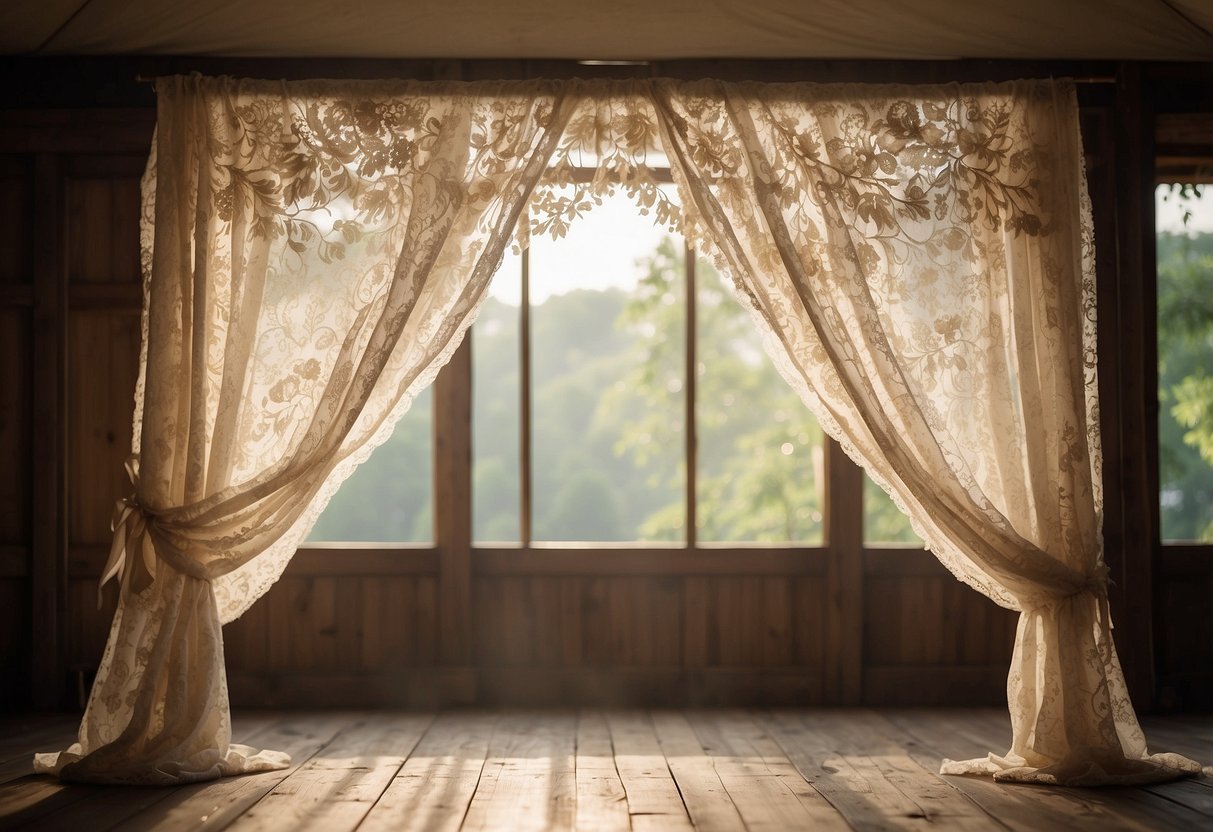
[(824, 769), (653, 798), (762, 782), (1168, 806), (602, 803), (931, 735), (106, 808), (22, 736), (706, 798), (859, 780), (528, 781), (336, 788), (434, 787), (216, 805)]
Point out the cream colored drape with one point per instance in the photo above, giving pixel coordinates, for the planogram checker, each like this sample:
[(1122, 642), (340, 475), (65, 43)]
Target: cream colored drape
[(921, 264), (919, 260), (316, 254)]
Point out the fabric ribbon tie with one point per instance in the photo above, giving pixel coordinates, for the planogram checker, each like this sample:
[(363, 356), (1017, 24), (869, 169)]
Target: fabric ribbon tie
[(1097, 584), (132, 545)]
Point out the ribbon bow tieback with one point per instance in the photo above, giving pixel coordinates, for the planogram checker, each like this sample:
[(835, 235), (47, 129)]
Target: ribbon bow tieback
[(132, 542)]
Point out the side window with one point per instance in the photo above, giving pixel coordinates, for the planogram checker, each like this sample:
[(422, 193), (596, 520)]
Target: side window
[(1185, 361)]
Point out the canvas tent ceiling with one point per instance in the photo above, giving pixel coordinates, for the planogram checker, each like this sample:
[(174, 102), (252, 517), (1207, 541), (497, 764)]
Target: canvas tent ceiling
[(623, 29)]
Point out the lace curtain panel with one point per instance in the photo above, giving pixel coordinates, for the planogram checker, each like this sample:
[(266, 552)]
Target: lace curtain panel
[(919, 260)]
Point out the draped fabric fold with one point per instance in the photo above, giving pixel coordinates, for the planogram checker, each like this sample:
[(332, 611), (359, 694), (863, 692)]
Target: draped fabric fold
[(919, 260), (313, 255)]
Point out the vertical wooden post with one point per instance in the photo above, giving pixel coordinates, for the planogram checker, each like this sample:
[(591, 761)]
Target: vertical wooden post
[(1133, 506), (48, 573), (844, 578), (453, 505)]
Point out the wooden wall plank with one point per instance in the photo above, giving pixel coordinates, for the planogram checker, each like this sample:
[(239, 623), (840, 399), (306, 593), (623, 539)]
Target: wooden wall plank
[(48, 571), (88, 629), (246, 640), (933, 621), (15, 644), (103, 218), (15, 426), (103, 363), (808, 622), (16, 214), (696, 622), (1185, 637)]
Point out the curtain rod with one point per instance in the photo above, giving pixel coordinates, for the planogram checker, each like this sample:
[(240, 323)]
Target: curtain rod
[(1085, 79)]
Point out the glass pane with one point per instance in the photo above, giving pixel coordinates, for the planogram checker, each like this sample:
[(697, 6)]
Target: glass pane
[(1185, 363), (389, 498), (495, 409), (760, 462), (607, 357), (883, 522)]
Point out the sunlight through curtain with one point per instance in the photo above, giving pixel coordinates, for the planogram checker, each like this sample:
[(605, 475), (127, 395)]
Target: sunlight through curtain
[(919, 260)]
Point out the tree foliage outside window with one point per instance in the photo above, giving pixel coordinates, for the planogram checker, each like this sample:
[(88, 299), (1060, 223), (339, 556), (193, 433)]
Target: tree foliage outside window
[(608, 427), (388, 498), (1185, 375), (608, 413), (759, 461)]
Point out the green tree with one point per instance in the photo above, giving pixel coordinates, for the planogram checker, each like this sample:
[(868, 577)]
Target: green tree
[(759, 448), (388, 497), (578, 355), (1185, 385), (883, 522)]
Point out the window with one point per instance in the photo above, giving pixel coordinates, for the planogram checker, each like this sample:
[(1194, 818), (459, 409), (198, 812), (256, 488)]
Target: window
[(640, 398), (620, 397), (1185, 361), (883, 522), (390, 496)]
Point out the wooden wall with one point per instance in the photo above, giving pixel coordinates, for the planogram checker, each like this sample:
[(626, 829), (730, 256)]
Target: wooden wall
[(16, 414), (446, 625)]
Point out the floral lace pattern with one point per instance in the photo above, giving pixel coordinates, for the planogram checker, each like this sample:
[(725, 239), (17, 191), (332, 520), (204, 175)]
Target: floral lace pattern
[(918, 259)]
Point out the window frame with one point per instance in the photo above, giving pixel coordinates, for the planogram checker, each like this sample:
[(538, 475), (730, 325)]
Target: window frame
[(843, 498)]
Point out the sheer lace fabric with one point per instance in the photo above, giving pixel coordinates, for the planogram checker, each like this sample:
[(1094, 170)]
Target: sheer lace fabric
[(921, 264), (918, 259), (314, 255)]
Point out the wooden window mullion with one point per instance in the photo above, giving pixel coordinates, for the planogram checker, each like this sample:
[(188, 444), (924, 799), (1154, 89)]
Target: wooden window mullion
[(689, 393), (525, 507)]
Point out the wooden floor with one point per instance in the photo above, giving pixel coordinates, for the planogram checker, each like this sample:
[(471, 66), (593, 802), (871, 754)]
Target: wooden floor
[(609, 770)]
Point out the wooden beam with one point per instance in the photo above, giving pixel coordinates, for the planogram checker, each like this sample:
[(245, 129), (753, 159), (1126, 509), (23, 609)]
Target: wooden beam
[(1185, 559), (453, 504), (347, 560), (648, 560), (48, 571), (844, 578), (88, 131), (1134, 505)]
